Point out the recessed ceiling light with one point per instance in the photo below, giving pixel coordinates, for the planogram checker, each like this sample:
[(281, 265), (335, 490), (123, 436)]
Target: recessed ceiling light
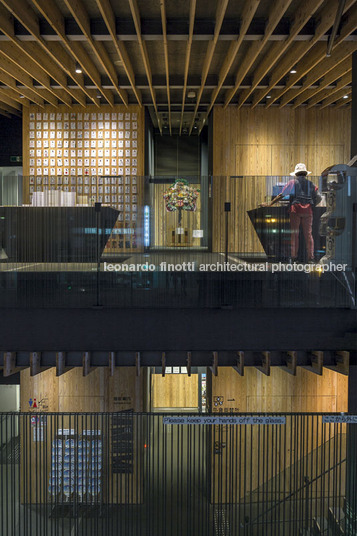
[(22, 96), (191, 94), (293, 71), (117, 62), (78, 68), (345, 96), (99, 96), (268, 96)]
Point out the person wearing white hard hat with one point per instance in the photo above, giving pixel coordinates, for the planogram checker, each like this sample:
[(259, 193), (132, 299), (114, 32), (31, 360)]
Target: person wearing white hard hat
[(303, 196)]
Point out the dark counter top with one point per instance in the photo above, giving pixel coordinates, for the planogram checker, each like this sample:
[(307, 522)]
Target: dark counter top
[(55, 234), (272, 225)]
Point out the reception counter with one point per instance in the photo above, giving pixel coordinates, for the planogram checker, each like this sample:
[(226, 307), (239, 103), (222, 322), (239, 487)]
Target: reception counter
[(272, 225), (54, 234)]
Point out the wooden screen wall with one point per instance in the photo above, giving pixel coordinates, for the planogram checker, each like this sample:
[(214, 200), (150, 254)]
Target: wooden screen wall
[(95, 153), (267, 142)]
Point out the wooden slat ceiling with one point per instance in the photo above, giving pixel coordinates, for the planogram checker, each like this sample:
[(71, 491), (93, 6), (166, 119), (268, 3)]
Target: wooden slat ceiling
[(177, 58)]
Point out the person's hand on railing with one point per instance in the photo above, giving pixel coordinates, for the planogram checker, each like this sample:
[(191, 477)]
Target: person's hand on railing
[(263, 204)]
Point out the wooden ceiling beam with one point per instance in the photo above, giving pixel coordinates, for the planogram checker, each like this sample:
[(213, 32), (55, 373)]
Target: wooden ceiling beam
[(144, 54), (286, 63), (44, 61), (10, 82), (10, 51), (247, 17), (66, 62), (294, 94), (264, 367), (337, 95), (341, 70), (138, 364), (81, 56), (163, 364), (66, 59), (14, 96), (314, 100), (176, 29), (86, 363), (10, 366), (308, 62), (187, 58), (277, 10), (343, 52), (26, 80), (9, 110), (317, 362), (214, 367), (348, 27), (81, 16), (110, 22), (344, 102), (111, 363), (35, 52), (341, 363), (299, 50), (312, 57), (7, 22), (25, 14), (291, 362), (342, 83), (166, 56), (220, 13), (302, 15), (240, 363), (61, 366), (103, 57), (35, 363), (189, 363)]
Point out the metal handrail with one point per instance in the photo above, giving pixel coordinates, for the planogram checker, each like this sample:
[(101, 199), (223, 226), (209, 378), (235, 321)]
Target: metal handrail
[(307, 483)]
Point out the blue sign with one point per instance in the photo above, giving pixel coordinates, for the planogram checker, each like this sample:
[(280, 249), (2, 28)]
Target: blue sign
[(146, 226)]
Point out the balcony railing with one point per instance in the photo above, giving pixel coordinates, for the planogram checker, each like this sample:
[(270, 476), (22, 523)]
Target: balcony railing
[(203, 475), (226, 251)]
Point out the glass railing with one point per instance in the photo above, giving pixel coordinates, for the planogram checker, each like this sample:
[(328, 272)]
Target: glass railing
[(165, 242), (87, 474)]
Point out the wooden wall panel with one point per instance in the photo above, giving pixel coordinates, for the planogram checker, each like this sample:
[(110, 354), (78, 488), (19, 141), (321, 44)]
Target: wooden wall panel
[(83, 393), (74, 393), (264, 142), (257, 393), (253, 159), (125, 390), (174, 391), (43, 387), (305, 392)]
